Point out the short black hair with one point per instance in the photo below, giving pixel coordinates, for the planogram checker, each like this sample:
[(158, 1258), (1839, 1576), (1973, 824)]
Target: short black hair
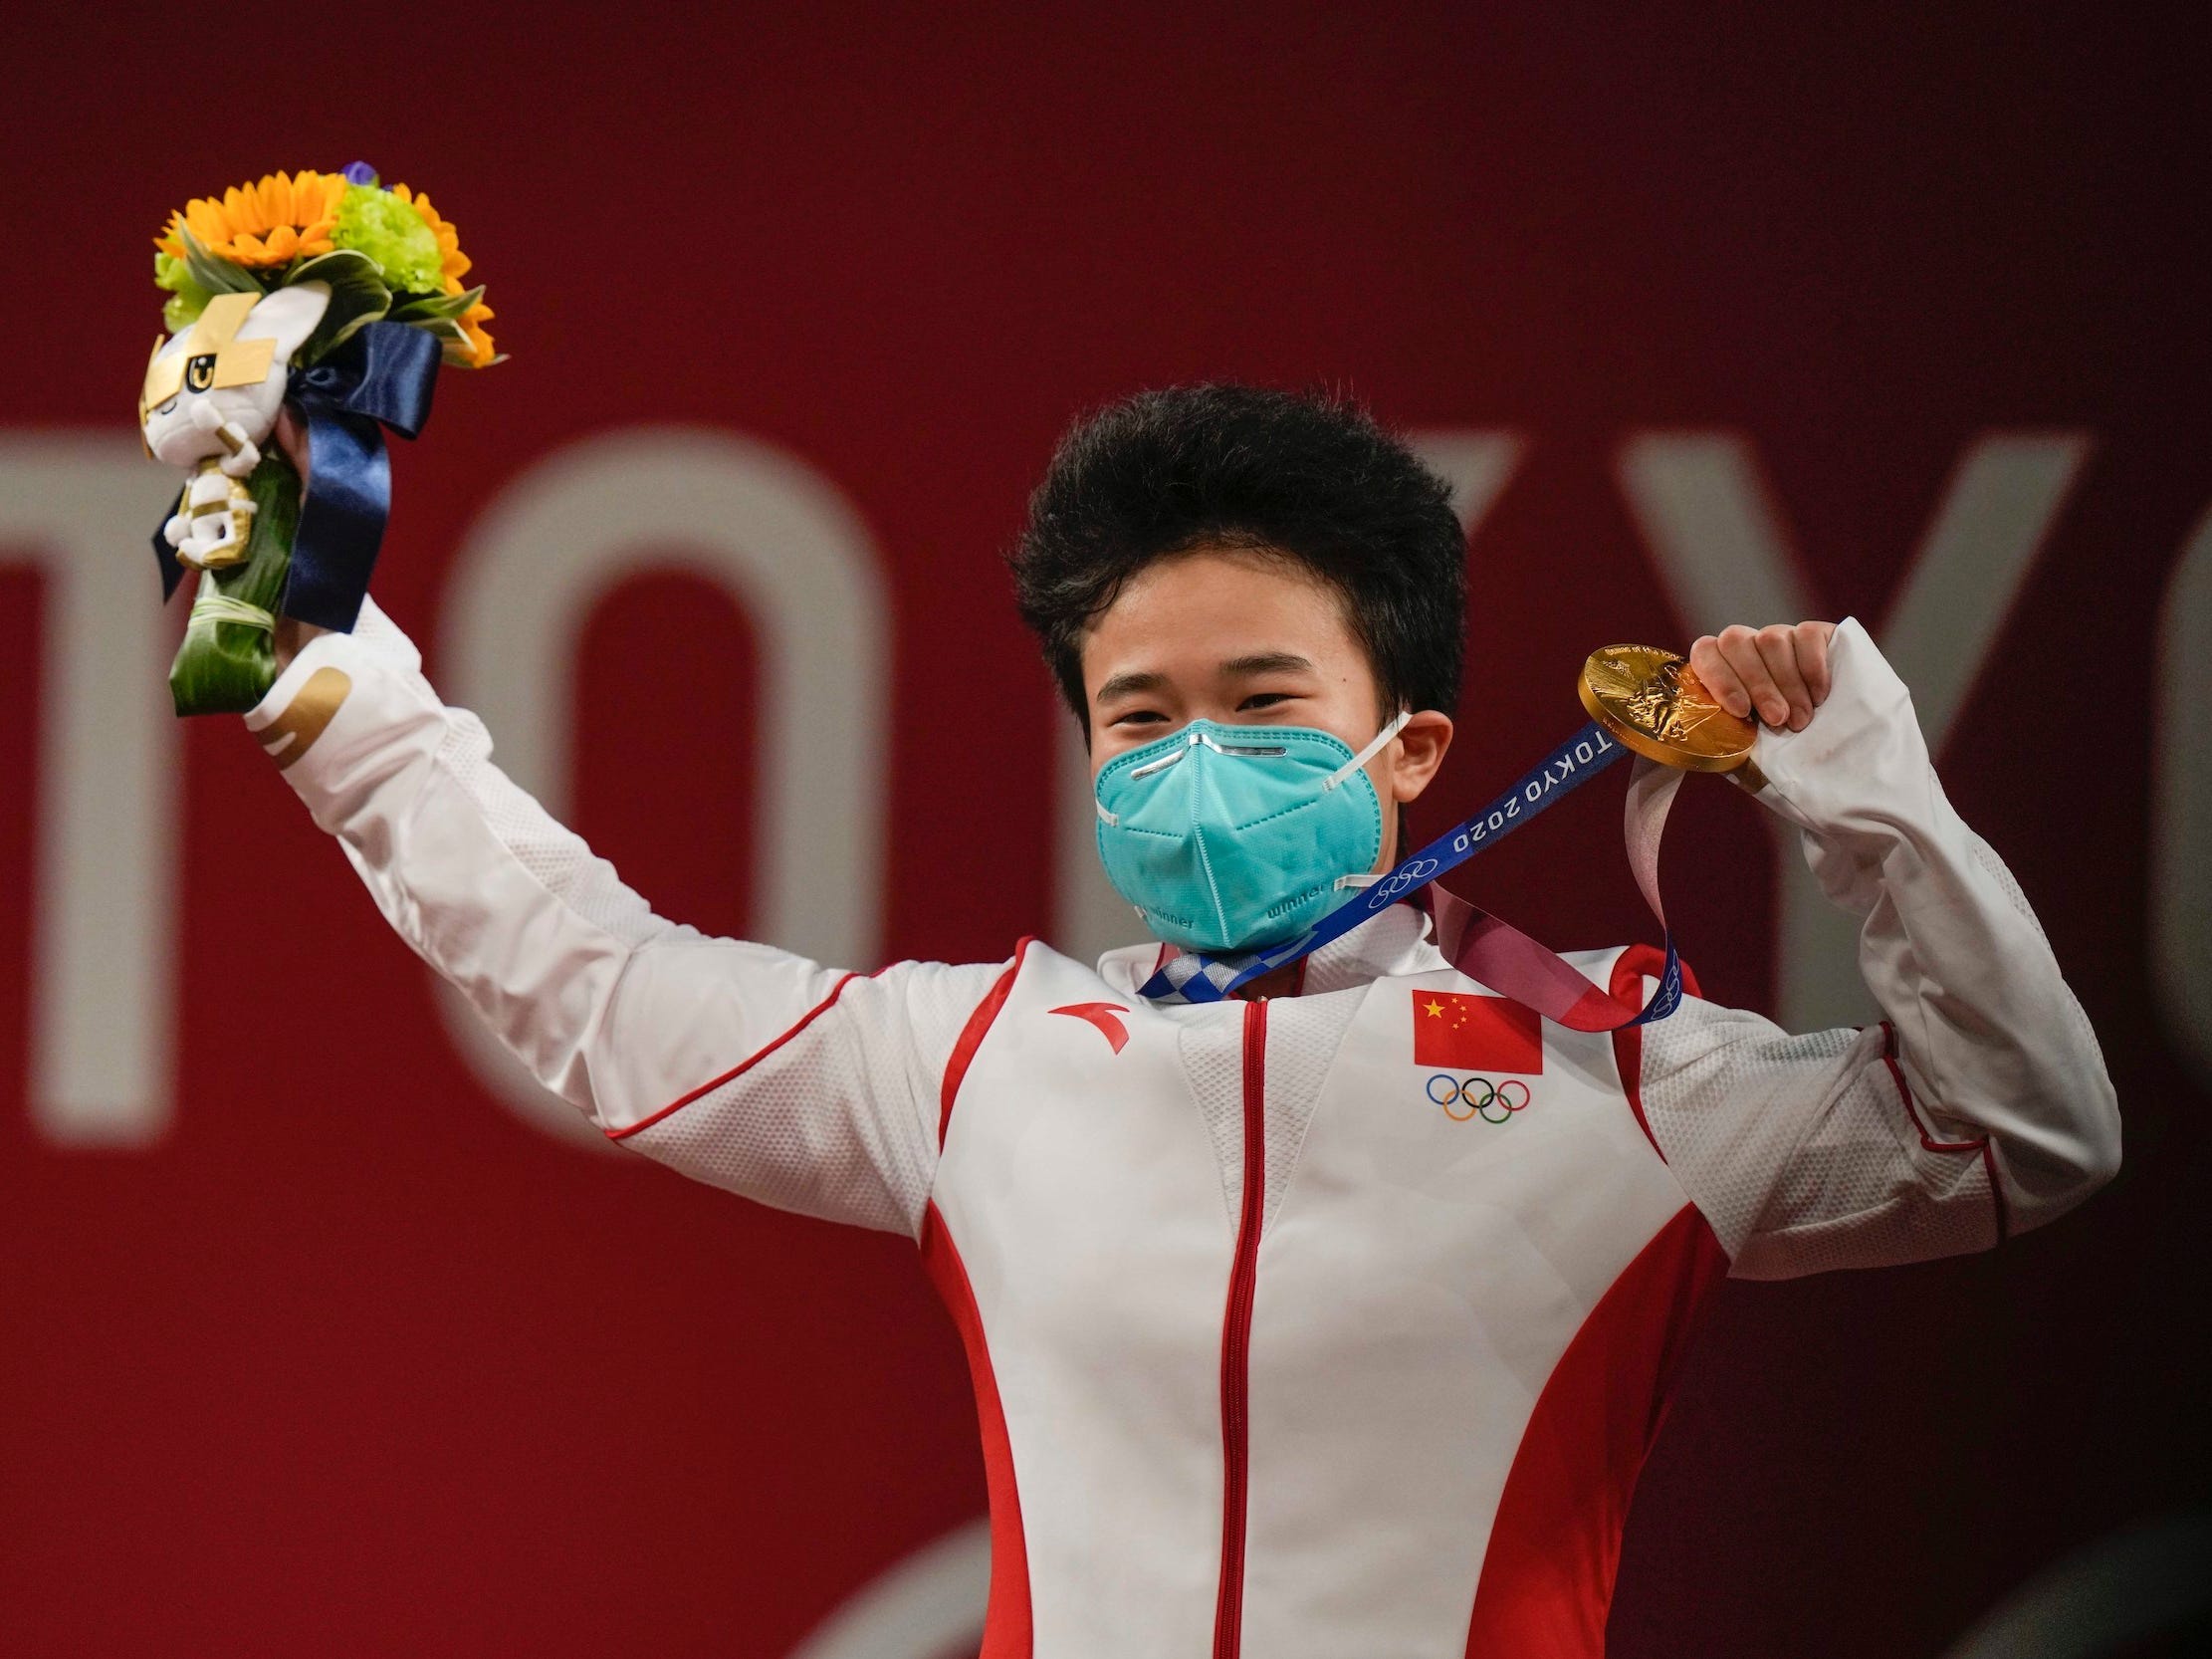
[(1308, 475)]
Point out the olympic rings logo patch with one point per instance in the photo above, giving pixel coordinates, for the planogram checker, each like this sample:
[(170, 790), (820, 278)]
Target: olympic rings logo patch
[(1410, 874), (1465, 1099)]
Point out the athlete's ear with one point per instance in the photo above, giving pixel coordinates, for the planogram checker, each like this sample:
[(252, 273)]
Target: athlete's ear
[(1416, 753)]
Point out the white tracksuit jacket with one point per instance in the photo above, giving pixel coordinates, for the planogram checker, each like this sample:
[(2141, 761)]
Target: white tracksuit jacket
[(1273, 1354)]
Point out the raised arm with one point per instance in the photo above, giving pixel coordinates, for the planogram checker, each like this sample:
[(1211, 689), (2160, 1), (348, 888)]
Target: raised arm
[(803, 1086), (1978, 1107)]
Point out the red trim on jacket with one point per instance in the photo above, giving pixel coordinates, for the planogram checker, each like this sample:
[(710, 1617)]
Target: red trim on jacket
[(1546, 1579), (1236, 1342), (1629, 971), (971, 1036), (1980, 1146), (744, 1066), (1008, 1632)]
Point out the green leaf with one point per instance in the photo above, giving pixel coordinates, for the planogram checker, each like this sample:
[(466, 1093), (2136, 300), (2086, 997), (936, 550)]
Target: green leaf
[(422, 307), (216, 276), (227, 667), (181, 311), (358, 296)]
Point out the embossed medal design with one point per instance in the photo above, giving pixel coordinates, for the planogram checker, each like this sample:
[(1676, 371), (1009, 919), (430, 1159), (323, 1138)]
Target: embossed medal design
[(1654, 702)]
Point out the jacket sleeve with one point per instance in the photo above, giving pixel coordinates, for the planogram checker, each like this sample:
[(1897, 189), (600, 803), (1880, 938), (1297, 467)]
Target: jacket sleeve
[(802, 1086), (1978, 1107)]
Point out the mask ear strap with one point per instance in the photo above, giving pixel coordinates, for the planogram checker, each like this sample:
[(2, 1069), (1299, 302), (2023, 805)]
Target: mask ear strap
[(1373, 747)]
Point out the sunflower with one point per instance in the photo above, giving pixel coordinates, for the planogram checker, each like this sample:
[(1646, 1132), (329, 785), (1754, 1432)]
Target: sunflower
[(453, 266), (286, 216), (481, 352)]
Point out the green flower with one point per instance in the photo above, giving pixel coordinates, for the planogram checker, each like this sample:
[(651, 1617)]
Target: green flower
[(187, 299), (390, 231)]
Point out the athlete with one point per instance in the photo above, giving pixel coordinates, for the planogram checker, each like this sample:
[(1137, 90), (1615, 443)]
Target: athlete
[(1335, 1319)]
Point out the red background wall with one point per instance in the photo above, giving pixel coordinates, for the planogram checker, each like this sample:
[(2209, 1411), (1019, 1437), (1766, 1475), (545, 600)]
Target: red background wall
[(353, 1363)]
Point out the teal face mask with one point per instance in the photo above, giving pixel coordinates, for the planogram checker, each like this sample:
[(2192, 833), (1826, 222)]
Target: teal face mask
[(1229, 837)]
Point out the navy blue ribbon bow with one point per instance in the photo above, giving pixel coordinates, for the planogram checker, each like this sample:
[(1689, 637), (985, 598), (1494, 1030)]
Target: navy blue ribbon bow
[(382, 377)]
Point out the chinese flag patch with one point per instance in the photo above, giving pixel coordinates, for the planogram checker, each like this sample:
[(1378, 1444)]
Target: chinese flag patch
[(1475, 1034)]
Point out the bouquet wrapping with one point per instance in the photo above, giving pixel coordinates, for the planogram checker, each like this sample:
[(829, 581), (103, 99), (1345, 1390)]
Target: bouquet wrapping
[(308, 313)]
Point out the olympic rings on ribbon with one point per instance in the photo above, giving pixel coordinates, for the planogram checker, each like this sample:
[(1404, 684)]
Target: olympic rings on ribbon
[(1461, 1093)]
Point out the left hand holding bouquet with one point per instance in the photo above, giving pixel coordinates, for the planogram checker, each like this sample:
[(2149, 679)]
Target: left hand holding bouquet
[(311, 311)]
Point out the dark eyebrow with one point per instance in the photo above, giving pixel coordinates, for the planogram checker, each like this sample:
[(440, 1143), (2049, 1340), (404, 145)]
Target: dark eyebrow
[(1121, 685), (1260, 662), (1268, 662)]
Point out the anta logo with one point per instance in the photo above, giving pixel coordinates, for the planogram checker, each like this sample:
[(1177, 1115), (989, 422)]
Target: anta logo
[(1105, 1015)]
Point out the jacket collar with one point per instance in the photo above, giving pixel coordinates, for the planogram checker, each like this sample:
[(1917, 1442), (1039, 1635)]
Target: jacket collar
[(1395, 942)]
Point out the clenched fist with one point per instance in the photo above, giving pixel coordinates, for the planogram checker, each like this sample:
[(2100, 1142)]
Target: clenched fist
[(1781, 671)]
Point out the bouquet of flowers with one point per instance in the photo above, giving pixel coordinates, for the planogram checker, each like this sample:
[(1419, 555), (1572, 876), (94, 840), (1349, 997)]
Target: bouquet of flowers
[(308, 312)]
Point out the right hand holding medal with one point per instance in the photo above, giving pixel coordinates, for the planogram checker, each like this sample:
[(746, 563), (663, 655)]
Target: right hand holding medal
[(1781, 669)]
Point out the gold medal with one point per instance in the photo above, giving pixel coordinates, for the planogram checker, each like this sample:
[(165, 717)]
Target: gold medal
[(1654, 702)]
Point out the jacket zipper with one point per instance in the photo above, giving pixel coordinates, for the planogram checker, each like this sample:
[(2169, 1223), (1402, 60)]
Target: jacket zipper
[(1237, 1334)]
